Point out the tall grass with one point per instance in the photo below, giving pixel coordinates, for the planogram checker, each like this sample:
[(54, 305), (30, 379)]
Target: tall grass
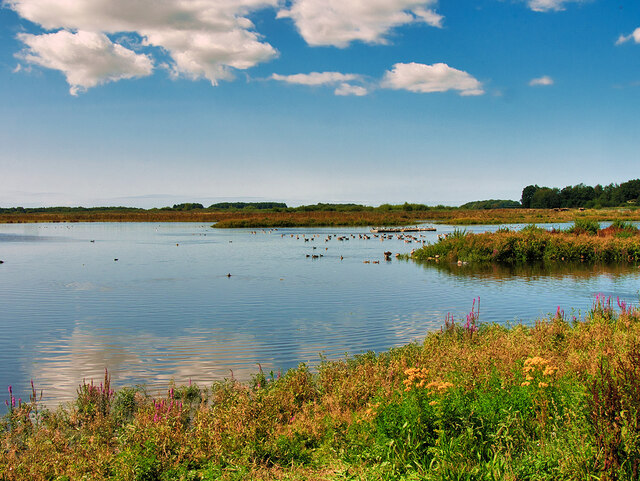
[(556, 400), (382, 215), (579, 243)]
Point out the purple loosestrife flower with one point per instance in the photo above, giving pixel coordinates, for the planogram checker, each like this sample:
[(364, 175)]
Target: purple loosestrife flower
[(621, 304)]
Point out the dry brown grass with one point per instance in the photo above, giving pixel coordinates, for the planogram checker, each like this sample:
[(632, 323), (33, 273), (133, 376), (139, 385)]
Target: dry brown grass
[(331, 218), (531, 216)]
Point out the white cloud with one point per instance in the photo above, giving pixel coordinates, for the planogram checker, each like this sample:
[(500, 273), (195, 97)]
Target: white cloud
[(198, 54), (87, 59), (635, 36), (439, 77), (541, 81), (340, 22), (342, 80), (316, 78), (549, 5), (348, 89), (428, 16), (415, 77), (204, 38)]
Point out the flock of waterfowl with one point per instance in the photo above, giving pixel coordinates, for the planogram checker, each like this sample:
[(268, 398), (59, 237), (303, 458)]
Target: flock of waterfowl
[(398, 235)]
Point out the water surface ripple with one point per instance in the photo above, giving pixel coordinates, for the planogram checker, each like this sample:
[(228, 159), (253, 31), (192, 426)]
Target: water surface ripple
[(166, 310)]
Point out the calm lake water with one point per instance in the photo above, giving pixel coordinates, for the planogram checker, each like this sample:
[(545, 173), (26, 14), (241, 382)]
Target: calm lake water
[(167, 310)]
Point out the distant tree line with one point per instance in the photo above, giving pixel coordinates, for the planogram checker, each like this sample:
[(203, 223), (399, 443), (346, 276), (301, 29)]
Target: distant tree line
[(319, 207), (65, 210), (492, 204), (533, 196), (228, 206), (612, 195), (248, 205)]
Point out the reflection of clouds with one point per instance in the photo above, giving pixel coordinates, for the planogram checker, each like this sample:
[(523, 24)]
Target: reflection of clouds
[(86, 286), (147, 359), (204, 355)]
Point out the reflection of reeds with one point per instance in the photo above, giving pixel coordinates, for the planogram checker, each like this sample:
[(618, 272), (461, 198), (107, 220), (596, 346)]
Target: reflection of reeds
[(535, 269)]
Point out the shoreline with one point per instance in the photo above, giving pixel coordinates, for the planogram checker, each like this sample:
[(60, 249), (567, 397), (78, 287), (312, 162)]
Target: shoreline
[(477, 398)]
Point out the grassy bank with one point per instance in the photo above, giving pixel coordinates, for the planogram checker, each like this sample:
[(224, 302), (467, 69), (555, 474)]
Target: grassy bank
[(154, 215), (557, 400), (322, 219), (534, 216), (228, 219), (295, 217), (618, 243)]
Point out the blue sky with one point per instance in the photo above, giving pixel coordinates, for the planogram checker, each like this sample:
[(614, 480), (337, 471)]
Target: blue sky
[(155, 102)]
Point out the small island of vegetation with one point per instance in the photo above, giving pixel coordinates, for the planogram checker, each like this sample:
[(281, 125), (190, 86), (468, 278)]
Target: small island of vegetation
[(584, 241)]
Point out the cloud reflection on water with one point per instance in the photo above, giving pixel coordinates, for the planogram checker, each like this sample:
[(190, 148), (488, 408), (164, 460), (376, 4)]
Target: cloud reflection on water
[(198, 355)]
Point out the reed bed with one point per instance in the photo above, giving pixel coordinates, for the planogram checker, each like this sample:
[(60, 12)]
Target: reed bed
[(117, 216), (228, 219), (559, 399), (532, 216), (535, 244), (320, 218)]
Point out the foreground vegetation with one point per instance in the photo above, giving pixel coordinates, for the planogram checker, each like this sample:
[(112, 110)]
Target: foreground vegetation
[(584, 241), (556, 400)]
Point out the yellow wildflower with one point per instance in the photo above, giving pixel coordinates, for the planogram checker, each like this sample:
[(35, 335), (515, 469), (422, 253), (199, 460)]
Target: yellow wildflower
[(541, 365), (526, 383)]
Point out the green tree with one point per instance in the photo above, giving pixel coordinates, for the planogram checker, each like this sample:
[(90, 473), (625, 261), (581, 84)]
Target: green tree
[(546, 198), (527, 195)]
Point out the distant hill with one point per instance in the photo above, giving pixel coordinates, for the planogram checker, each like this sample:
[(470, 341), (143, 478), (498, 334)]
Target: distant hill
[(492, 204)]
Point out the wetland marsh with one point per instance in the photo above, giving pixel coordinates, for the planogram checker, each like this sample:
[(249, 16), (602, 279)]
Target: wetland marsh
[(167, 310)]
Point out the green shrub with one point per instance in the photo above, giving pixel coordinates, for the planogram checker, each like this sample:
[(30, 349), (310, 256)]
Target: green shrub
[(584, 226), (126, 403)]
